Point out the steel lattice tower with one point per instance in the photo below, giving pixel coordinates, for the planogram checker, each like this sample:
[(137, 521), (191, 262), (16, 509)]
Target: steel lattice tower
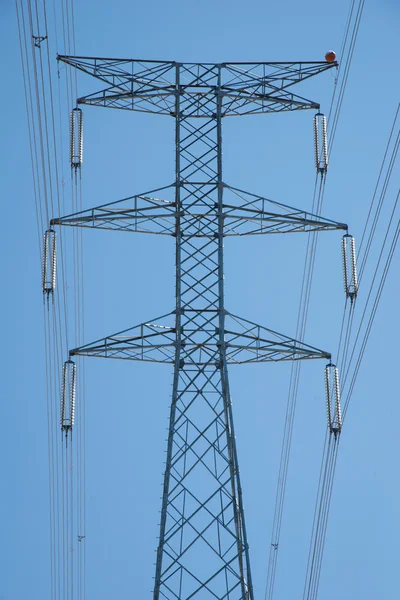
[(203, 549)]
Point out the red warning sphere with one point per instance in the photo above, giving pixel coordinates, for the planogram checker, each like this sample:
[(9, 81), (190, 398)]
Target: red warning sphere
[(330, 56)]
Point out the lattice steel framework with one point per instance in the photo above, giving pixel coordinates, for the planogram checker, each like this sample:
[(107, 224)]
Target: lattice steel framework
[(203, 549)]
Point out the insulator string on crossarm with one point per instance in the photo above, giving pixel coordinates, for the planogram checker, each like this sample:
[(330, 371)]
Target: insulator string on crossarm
[(332, 390), (49, 262), (320, 143), (68, 394), (328, 398), (336, 387), (76, 139), (350, 278)]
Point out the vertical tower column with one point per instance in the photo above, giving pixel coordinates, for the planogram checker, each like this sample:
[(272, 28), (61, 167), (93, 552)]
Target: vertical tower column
[(202, 547)]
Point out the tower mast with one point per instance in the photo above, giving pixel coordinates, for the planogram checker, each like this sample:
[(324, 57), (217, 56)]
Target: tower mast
[(203, 549)]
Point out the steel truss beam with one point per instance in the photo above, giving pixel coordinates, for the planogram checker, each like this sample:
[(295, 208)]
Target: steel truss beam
[(150, 86), (243, 214), (244, 342), (203, 550)]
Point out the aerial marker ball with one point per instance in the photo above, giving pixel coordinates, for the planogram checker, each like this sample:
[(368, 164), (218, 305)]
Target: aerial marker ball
[(330, 56)]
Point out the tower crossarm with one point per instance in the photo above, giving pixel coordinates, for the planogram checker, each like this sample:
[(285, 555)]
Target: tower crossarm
[(143, 213), (278, 75), (248, 214), (141, 85), (153, 341), (248, 342), (151, 86), (243, 342), (243, 214)]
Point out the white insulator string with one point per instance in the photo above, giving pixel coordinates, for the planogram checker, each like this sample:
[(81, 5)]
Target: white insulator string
[(316, 143), (344, 263), (338, 414), (354, 267), (72, 396), (80, 138), (72, 139), (324, 145), (63, 395), (349, 267), (49, 262), (328, 396), (76, 138), (320, 143), (68, 393)]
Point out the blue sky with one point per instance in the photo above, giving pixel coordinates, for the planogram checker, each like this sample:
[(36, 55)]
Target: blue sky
[(129, 279)]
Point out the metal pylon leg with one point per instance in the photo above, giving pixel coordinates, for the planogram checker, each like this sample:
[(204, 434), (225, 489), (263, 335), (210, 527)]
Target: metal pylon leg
[(202, 549)]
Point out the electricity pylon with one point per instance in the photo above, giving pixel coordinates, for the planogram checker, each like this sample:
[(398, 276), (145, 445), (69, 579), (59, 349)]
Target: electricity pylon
[(203, 550)]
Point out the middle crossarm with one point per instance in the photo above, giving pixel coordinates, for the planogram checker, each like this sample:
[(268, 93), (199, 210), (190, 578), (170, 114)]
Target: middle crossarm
[(144, 213), (243, 214), (245, 342)]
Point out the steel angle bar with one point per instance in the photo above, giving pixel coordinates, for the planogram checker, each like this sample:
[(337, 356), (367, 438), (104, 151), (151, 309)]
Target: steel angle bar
[(200, 534), (157, 103), (195, 74), (210, 591), (199, 459), (182, 521), (202, 435), (235, 103)]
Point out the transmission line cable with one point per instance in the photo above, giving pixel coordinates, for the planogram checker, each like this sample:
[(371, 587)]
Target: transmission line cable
[(329, 463), (375, 303), (324, 508), (39, 100), (305, 295), (343, 73)]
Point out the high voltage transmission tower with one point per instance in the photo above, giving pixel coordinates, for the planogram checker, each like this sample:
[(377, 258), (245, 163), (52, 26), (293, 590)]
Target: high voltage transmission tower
[(203, 550)]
